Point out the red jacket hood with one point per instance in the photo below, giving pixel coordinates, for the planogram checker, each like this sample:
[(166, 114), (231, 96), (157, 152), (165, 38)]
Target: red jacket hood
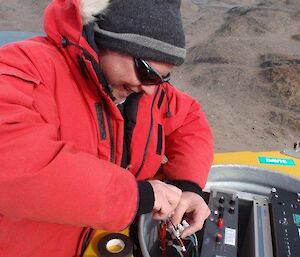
[(67, 18)]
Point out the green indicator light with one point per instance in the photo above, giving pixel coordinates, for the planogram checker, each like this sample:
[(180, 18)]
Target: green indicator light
[(296, 218)]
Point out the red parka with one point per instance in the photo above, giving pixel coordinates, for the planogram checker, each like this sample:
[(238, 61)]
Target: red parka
[(61, 140)]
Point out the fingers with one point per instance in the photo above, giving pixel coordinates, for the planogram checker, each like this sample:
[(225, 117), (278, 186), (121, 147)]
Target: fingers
[(170, 201), (179, 212), (164, 211), (197, 223), (197, 210), (166, 198)]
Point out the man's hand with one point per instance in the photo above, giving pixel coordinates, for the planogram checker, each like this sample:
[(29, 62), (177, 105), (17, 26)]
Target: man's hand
[(194, 207), (166, 199)]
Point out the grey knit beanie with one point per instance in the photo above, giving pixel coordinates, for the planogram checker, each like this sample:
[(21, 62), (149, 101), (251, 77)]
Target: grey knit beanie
[(148, 29)]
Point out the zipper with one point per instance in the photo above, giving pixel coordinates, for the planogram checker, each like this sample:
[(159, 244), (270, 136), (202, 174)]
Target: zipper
[(101, 124), (101, 79), (86, 232), (161, 98), (111, 136), (149, 135), (159, 139), (83, 241)]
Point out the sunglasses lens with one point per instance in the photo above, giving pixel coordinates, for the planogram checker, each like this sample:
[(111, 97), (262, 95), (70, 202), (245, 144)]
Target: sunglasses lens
[(147, 75)]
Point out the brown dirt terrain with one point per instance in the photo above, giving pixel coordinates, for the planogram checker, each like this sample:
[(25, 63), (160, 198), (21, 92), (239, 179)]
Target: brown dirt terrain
[(243, 66)]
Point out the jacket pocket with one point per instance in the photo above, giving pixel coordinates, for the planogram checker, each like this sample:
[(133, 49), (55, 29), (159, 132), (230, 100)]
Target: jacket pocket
[(159, 144), (20, 75), (101, 123)]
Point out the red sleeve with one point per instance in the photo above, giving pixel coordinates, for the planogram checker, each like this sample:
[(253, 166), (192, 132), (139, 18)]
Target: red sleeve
[(45, 179), (189, 142)]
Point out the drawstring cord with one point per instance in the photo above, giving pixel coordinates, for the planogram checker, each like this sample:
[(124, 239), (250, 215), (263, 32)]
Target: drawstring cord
[(65, 42)]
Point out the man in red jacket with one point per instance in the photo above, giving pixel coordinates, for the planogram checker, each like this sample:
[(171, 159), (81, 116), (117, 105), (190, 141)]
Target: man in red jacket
[(87, 115)]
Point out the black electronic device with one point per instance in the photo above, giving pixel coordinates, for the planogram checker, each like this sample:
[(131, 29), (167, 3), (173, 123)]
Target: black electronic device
[(240, 225), (221, 228), (285, 222)]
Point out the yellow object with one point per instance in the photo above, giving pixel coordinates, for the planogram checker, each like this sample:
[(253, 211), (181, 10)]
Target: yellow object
[(254, 159), (92, 250), (115, 248)]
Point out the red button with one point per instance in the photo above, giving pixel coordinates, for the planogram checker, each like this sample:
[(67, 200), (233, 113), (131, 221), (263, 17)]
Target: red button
[(220, 223), (219, 237)]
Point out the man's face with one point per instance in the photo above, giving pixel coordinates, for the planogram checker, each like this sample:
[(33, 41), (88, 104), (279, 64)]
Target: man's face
[(120, 73)]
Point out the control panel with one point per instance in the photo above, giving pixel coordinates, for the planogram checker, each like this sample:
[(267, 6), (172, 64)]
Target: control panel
[(285, 221), (221, 228)]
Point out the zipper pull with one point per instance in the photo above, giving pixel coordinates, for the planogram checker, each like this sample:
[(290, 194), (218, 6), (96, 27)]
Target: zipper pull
[(129, 167)]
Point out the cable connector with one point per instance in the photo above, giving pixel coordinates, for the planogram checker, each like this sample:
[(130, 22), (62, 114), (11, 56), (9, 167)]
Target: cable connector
[(176, 232), (185, 224), (180, 228)]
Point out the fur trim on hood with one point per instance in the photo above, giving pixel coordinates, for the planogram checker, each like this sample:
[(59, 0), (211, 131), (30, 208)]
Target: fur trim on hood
[(88, 8)]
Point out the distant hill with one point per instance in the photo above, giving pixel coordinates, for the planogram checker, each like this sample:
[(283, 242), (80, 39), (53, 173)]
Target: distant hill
[(242, 66)]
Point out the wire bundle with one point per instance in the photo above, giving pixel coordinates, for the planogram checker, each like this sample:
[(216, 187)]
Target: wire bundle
[(173, 245)]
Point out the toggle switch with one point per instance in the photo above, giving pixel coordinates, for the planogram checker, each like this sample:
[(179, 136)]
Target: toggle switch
[(222, 199), (232, 202), (220, 223), (231, 210), (221, 208), (219, 238)]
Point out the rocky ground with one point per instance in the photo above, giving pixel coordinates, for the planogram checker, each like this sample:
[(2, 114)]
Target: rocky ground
[(243, 66)]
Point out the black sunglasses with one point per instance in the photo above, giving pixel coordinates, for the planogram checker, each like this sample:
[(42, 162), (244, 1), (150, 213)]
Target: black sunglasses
[(147, 74)]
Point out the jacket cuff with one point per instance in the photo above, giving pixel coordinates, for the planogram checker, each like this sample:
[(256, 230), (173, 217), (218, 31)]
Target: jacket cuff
[(186, 185), (146, 198)]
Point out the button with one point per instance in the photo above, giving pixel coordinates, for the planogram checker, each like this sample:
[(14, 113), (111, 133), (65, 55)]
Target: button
[(232, 202), (285, 222), (219, 237), (222, 199), (231, 210), (220, 223), (221, 208)]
